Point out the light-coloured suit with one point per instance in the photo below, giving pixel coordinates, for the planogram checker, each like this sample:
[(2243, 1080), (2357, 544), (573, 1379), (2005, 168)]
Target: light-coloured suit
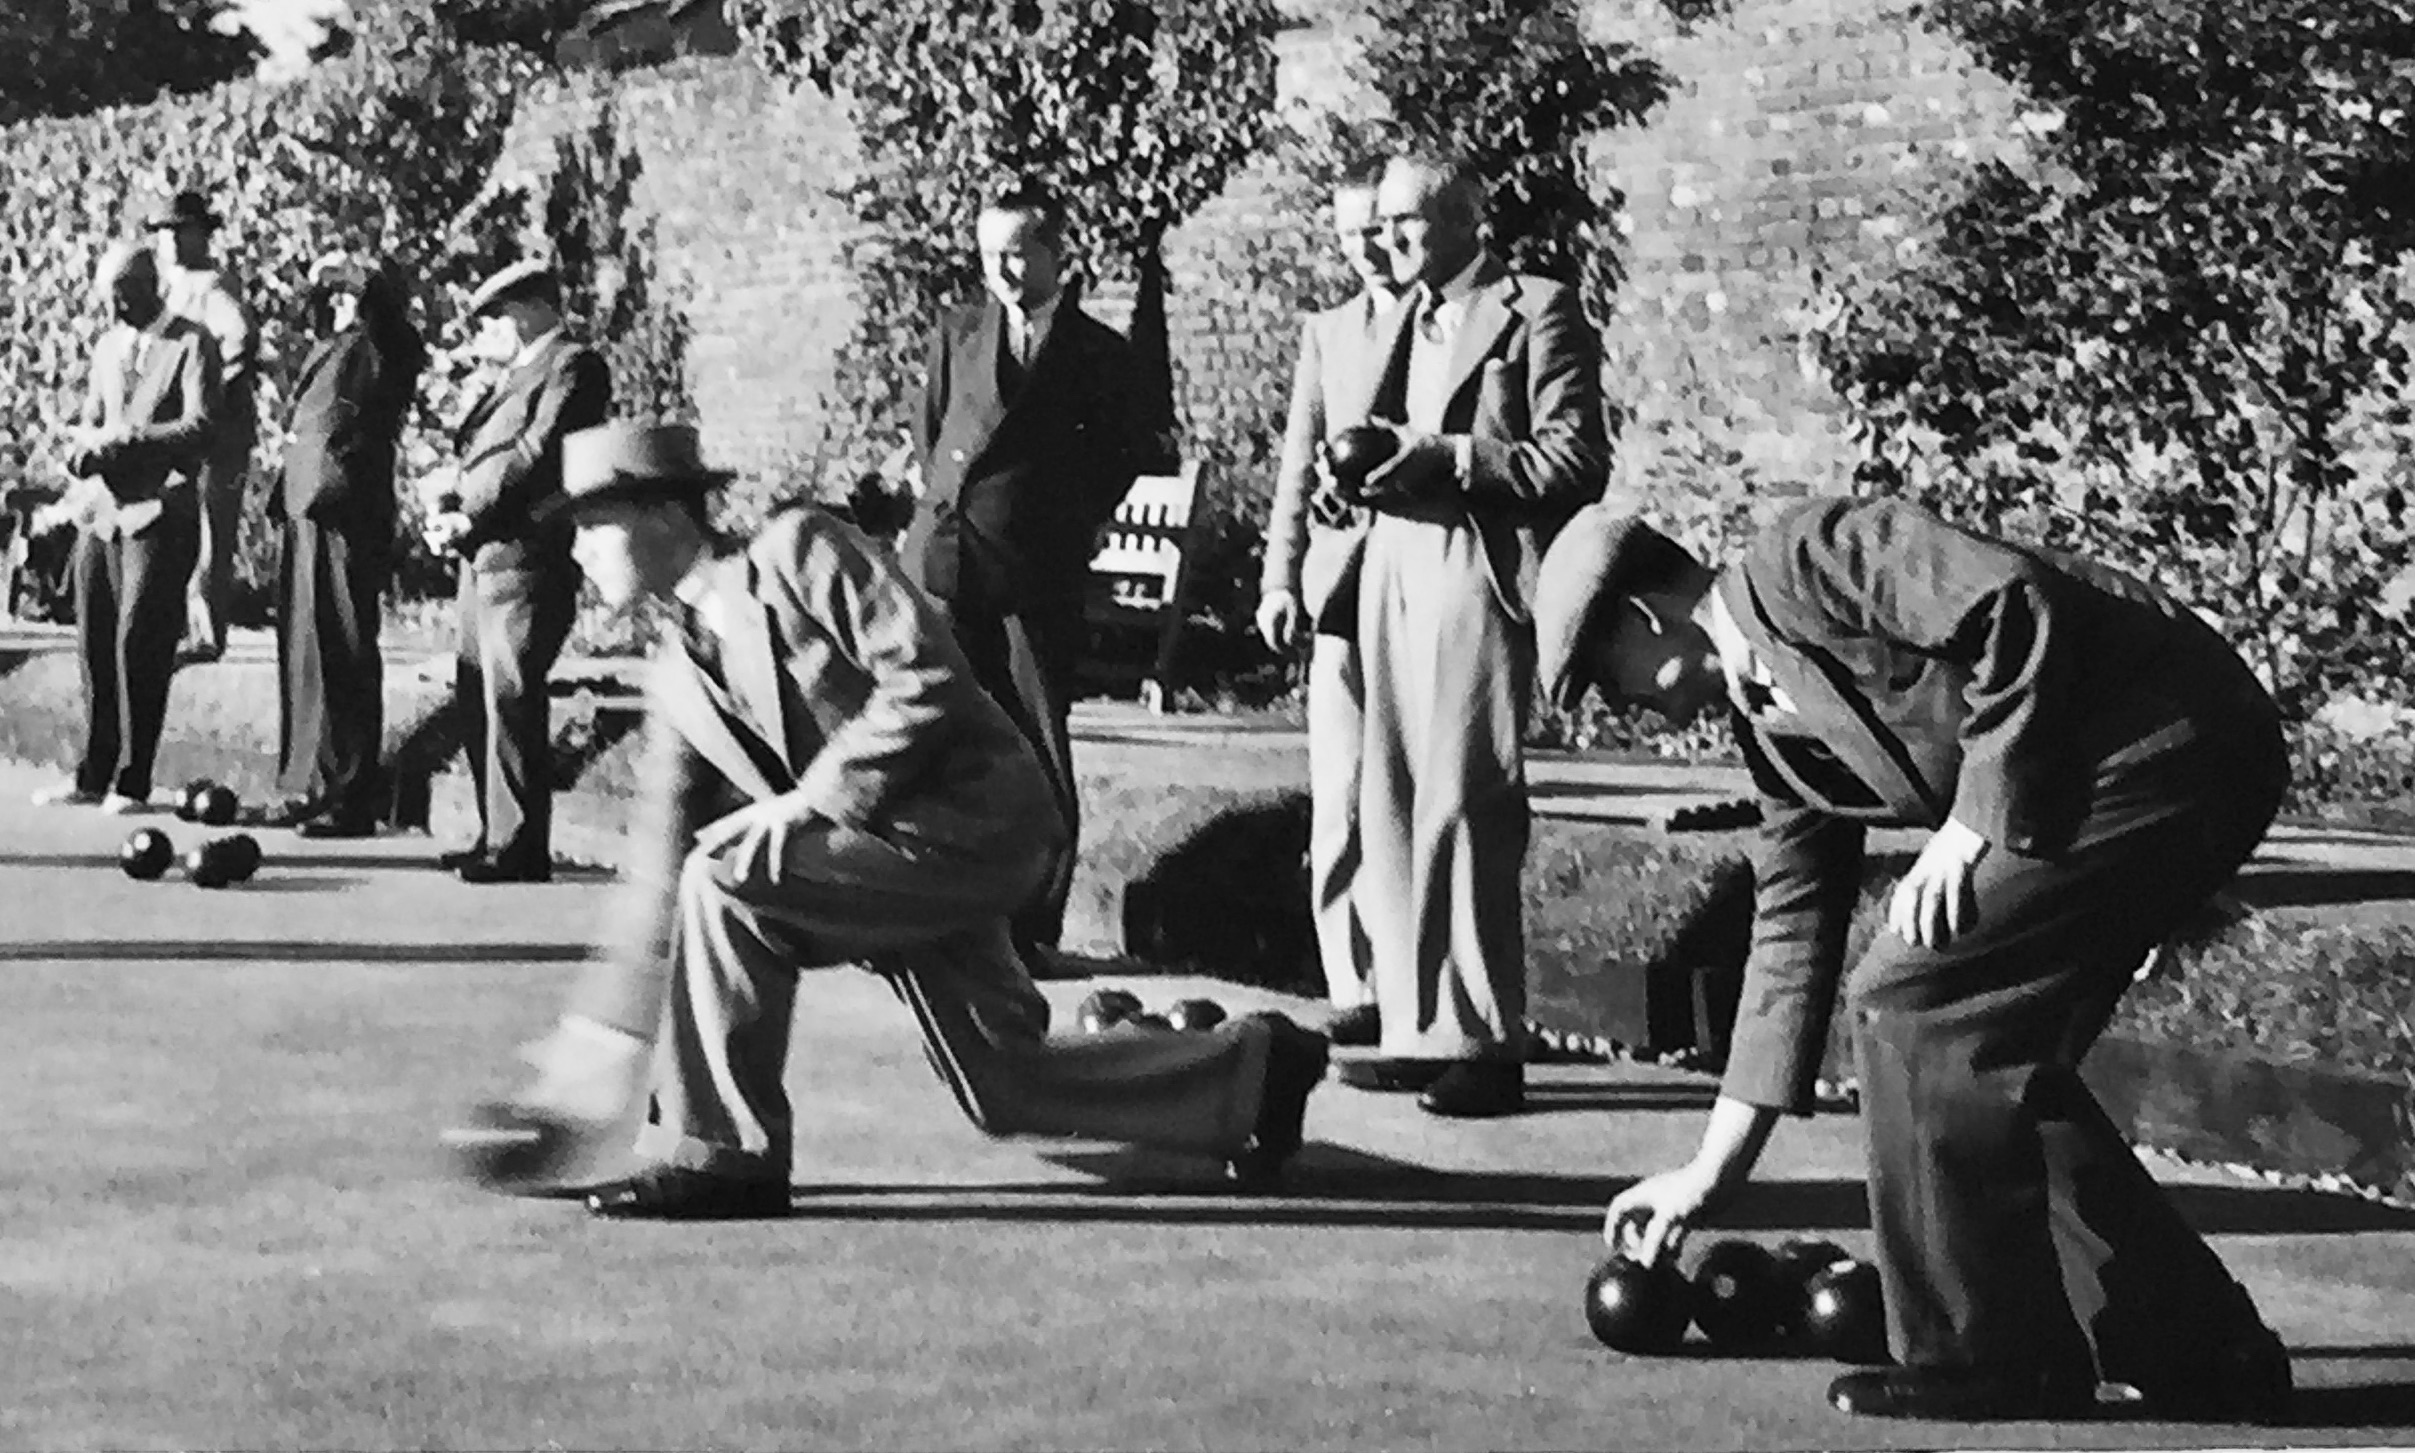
[(154, 389), (1316, 561), (1447, 650), (519, 592), (211, 298), (918, 818)]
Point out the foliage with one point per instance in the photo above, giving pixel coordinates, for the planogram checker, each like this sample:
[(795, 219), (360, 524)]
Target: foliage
[(381, 153), (2179, 336), (68, 57), (1136, 112), (1516, 88)]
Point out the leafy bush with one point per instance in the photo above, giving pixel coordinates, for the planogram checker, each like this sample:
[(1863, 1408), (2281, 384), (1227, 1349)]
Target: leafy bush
[(68, 57), (2179, 335), (379, 153)]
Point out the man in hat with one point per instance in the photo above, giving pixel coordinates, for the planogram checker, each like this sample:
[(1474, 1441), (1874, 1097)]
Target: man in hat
[(138, 446), (1028, 438), (197, 288), (2092, 761), (827, 784), (519, 591), (1315, 544)]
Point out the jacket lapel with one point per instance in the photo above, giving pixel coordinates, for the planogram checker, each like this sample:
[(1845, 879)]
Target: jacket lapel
[(747, 657), (1488, 317), (1387, 374), (688, 702), (1837, 716)]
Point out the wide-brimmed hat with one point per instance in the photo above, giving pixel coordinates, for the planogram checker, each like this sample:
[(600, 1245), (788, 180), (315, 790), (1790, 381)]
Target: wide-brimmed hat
[(518, 280), (1600, 555), (186, 209), (630, 459)]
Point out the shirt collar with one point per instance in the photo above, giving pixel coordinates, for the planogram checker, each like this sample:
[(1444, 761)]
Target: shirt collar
[(536, 345), (1750, 684)]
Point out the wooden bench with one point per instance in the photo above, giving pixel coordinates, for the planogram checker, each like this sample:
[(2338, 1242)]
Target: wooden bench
[(1137, 588)]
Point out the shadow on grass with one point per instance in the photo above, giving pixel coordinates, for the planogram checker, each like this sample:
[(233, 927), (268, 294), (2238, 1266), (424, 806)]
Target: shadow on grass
[(275, 857), (218, 951), (1333, 1185)]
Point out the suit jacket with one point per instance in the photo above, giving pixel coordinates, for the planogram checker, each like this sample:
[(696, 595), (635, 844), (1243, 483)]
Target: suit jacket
[(348, 411), (1934, 671), (1525, 386), (1333, 387), (511, 453), (847, 700), (1019, 480), (210, 297), (165, 408)]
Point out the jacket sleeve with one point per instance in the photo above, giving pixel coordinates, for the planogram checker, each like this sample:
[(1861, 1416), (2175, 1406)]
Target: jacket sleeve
[(349, 402), (931, 405), (498, 487), (1295, 476), (1806, 877), (1895, 573), (876, 620), (1564, 457), (626, 985), (185, 432)]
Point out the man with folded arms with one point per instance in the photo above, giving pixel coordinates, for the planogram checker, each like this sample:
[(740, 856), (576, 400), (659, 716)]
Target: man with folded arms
[(827, 784)]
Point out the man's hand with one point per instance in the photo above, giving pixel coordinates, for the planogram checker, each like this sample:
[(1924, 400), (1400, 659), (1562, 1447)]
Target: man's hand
[(1424, 467), (444, 531), (440, 491), (1651, 1217), (1278, 619), (1934, 902), (755, 837)]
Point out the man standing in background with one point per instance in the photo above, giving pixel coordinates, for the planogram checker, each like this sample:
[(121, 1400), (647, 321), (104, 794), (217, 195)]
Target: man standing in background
[(197, 288), (1028, 440), (520, 590), (1314, 545), (1492, 381)]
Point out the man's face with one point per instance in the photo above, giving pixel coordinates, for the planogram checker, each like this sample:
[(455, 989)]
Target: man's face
[(1021, 265), (343, 307), (1430, 239), (1362, 237), (1649, 651), (134, 293), (631, 551), (498, 338)]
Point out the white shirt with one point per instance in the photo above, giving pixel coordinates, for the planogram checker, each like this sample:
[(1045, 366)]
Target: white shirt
[(533, 346), (207, 296), (1433, 330), (1025, 331)]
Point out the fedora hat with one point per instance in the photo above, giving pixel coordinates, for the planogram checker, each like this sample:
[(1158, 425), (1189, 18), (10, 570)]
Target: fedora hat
[(518, 280), (186, 209), (630, 459), (1600, 555)]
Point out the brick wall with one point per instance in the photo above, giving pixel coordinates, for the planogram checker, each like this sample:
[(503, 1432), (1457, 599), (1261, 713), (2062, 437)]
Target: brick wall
[(1794, 146)]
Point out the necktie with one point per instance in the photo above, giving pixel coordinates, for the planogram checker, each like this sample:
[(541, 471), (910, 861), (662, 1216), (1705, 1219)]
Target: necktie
[(703, 646)]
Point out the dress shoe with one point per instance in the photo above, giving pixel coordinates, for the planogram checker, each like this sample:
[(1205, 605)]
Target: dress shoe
[(2247, 1381), (1477, 1089), (495, 870), (1963, 1394), (119, 804), (1357, 1026), (337, 825), (461, 857), (1390, 1076), (676, 1193), (1295, 1066)]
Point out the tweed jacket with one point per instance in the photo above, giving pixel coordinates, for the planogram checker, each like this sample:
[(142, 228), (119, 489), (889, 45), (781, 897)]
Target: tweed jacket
[(1333, 387), (1927, 671), (157, 389), (348, 413), (1020, 476), (510, 447), (840, 694), (1524, 383)]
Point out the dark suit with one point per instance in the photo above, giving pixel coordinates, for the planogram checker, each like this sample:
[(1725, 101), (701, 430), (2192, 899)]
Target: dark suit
[(1022, 467), (155, 388), (1442, 815), (2121, 762), (336, 498), (520, 590)]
